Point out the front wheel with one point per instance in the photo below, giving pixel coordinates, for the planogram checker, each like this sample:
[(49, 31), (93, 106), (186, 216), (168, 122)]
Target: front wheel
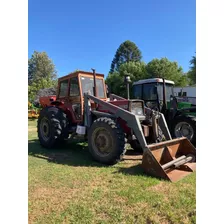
[(106, 141), (184, 126)]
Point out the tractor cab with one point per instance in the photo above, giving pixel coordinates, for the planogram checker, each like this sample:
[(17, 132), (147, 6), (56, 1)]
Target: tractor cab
[(158, 95), (152, 92), (71, 90), (78, 83)]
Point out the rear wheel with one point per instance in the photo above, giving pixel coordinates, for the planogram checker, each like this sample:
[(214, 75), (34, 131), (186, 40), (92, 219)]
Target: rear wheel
[(52, 127), (185, 126), (106, 141)]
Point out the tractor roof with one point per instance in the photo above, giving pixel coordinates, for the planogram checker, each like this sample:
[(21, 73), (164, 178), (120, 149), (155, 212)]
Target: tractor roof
[(153, 80), (80, 72)]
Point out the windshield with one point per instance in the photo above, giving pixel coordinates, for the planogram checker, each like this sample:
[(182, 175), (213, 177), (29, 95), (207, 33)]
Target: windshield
[(87, 86), (145, 92), (149, 92)]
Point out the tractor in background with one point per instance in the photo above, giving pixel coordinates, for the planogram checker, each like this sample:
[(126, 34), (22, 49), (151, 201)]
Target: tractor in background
[(158, 95)]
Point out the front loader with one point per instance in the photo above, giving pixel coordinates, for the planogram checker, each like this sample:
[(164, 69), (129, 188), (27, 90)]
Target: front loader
[(81, 108)]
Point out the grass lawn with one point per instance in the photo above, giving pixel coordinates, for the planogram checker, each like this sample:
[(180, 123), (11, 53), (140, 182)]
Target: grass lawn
[(67, 186)]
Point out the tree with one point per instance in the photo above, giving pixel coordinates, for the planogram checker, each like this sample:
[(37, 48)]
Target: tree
[(116, 84), (41, 73), (163, 68), (127, 51), (192, 71), (115, 81), (40, 66), (137, 70)]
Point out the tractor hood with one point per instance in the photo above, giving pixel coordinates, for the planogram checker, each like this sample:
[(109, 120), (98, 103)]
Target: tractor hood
[(134, 106)]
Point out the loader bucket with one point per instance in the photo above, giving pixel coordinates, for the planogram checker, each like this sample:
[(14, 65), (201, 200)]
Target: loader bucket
[(170, 160)]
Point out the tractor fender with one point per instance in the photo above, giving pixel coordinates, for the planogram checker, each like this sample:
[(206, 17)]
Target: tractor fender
[(183, 116), (66, 108), (190, 109)]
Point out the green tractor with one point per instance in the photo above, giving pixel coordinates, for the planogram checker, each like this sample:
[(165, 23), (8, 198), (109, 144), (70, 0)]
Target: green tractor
[(158, 94)]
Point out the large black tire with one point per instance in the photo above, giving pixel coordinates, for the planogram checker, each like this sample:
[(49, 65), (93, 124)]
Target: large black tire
[(190, 124), (106, 141), (52, 127)]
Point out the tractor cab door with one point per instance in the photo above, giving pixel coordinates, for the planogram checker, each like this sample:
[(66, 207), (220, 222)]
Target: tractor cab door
[(69, 93), (63, 90), (74, 98)]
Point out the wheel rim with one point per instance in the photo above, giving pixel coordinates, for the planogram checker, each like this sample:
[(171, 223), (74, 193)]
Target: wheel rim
[(102, 141), (184, 129), (45, 129)]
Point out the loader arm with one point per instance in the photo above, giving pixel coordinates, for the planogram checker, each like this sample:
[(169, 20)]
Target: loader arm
[(116, 97)]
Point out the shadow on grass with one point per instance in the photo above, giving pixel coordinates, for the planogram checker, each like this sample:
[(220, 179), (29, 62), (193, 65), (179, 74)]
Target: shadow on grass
[(133, 170), (72, 154), (76, 154)]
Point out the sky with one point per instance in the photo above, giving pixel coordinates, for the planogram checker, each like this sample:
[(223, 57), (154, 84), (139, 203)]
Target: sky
[(85, 34)]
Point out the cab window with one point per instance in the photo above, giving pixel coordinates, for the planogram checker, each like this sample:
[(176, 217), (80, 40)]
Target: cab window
[(74, 87), (87, 86), (137, 91), (149, 92), (63, 88)]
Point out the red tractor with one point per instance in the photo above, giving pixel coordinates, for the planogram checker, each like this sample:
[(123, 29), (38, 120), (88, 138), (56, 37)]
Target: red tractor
[(81, 108)]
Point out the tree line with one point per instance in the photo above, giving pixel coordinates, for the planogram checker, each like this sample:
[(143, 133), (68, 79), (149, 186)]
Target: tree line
[(128, 60), (42, 73)]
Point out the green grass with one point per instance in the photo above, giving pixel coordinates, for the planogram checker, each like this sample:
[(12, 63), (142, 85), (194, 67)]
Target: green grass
[(67, 186)]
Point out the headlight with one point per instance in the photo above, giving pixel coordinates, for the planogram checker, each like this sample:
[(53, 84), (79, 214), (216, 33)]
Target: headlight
[(137, 108)]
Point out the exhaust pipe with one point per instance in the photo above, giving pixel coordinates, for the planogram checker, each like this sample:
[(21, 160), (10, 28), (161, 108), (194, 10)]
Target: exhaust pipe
[(94, 82)]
